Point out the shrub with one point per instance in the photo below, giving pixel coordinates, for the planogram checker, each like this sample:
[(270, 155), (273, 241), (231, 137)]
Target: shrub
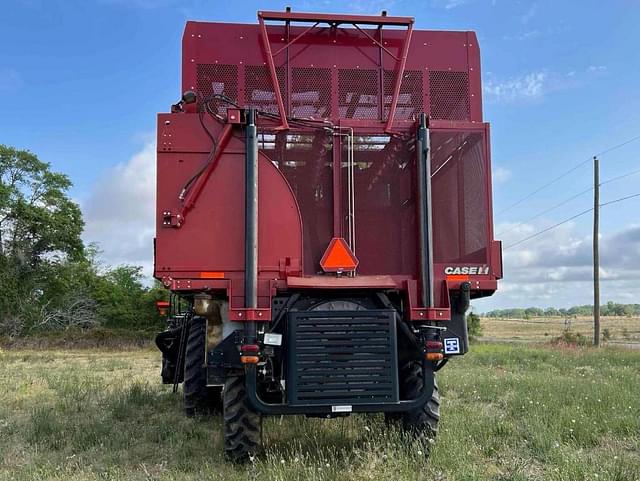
[(473, 325), (572, 338)]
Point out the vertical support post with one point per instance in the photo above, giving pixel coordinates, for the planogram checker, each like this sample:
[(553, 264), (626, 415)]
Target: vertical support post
[(380, 75), (251, 223), (596, 252), (337, 185), (288, 80), (424, 213)]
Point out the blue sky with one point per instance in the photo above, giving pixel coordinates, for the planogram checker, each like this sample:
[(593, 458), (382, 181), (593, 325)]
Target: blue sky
[(81, 81)]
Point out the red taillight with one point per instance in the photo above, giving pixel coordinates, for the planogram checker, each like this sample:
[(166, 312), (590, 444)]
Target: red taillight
[(249, 353), (162, 307), (249, 348)]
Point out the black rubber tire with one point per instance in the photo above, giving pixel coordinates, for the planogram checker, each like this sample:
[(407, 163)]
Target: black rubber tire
[(197, 397), (421, 422), (242, 425)]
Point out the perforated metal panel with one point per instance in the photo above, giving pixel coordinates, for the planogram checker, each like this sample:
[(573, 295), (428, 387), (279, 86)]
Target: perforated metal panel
[(342, 357), (449, 95), (358, 94), (305, 161), (259, 91), (459, 196), (311, 92), (219, 79), (411, 98)]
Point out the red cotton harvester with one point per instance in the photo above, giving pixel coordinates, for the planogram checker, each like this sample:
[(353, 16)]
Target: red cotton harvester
[(323, 218)]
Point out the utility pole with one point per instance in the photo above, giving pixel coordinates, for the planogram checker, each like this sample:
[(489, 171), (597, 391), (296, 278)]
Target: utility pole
[(596, 252)]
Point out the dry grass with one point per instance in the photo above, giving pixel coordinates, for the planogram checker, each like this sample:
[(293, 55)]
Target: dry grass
[(509, 413), (623, 330)]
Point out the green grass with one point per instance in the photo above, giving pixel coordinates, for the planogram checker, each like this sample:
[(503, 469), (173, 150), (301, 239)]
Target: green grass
[(509, 413)]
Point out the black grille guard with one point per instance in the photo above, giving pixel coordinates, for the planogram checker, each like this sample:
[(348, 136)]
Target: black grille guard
[(260, 406)]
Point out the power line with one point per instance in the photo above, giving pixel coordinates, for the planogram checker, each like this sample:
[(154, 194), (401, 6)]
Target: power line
[(620, 177), (615, 147), (569, 199), (548, 228), (562, 176), (539, 189), (620, 199), (546, 211), (570, 219)]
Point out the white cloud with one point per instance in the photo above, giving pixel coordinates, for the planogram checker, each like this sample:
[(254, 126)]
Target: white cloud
[(555, 269), (596, 68), (528, 86), (120, 211), (373, 7), (449, 4), (529, 34), (500, 175)]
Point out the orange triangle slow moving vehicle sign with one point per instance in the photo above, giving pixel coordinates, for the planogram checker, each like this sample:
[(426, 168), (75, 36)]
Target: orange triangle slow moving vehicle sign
[(338, 257)]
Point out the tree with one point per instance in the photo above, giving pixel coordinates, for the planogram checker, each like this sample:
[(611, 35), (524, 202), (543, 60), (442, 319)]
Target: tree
[(39, 226), (48, 278), (530, 312), (551, 312), (37, 217)]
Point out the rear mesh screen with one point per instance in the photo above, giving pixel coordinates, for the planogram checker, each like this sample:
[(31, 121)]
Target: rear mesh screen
[(217, 79), (358, 91), (449, 95), (459, 197), (259, 91)]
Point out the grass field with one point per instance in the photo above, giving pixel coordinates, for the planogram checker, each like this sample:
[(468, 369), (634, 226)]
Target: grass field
[(621, 330), (509, 413)]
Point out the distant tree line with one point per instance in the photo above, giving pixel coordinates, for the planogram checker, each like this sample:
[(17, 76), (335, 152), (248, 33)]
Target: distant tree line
[(609, 309), (50, 280)]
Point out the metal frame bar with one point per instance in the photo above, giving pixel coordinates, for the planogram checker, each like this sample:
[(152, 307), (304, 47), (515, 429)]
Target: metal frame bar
[(400, 75), (380, 75), (251, 383), (336, 185), (374, 41), (251, 224), (424, 214), (296, 39), (284, 124), (334, 21)]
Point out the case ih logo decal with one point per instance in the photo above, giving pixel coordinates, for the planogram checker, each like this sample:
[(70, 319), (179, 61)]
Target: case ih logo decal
[(468, 270)]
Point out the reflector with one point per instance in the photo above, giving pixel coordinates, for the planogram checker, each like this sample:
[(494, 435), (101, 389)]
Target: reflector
[(212, 275), (249, 359), (434, 356), (338, 257)]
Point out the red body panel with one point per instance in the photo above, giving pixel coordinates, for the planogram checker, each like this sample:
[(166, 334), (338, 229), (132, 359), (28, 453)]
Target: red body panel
[(345, 76)]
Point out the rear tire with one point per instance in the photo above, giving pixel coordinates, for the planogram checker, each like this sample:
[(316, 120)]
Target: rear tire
[(198, 398), (421, 422), (242, 425)]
